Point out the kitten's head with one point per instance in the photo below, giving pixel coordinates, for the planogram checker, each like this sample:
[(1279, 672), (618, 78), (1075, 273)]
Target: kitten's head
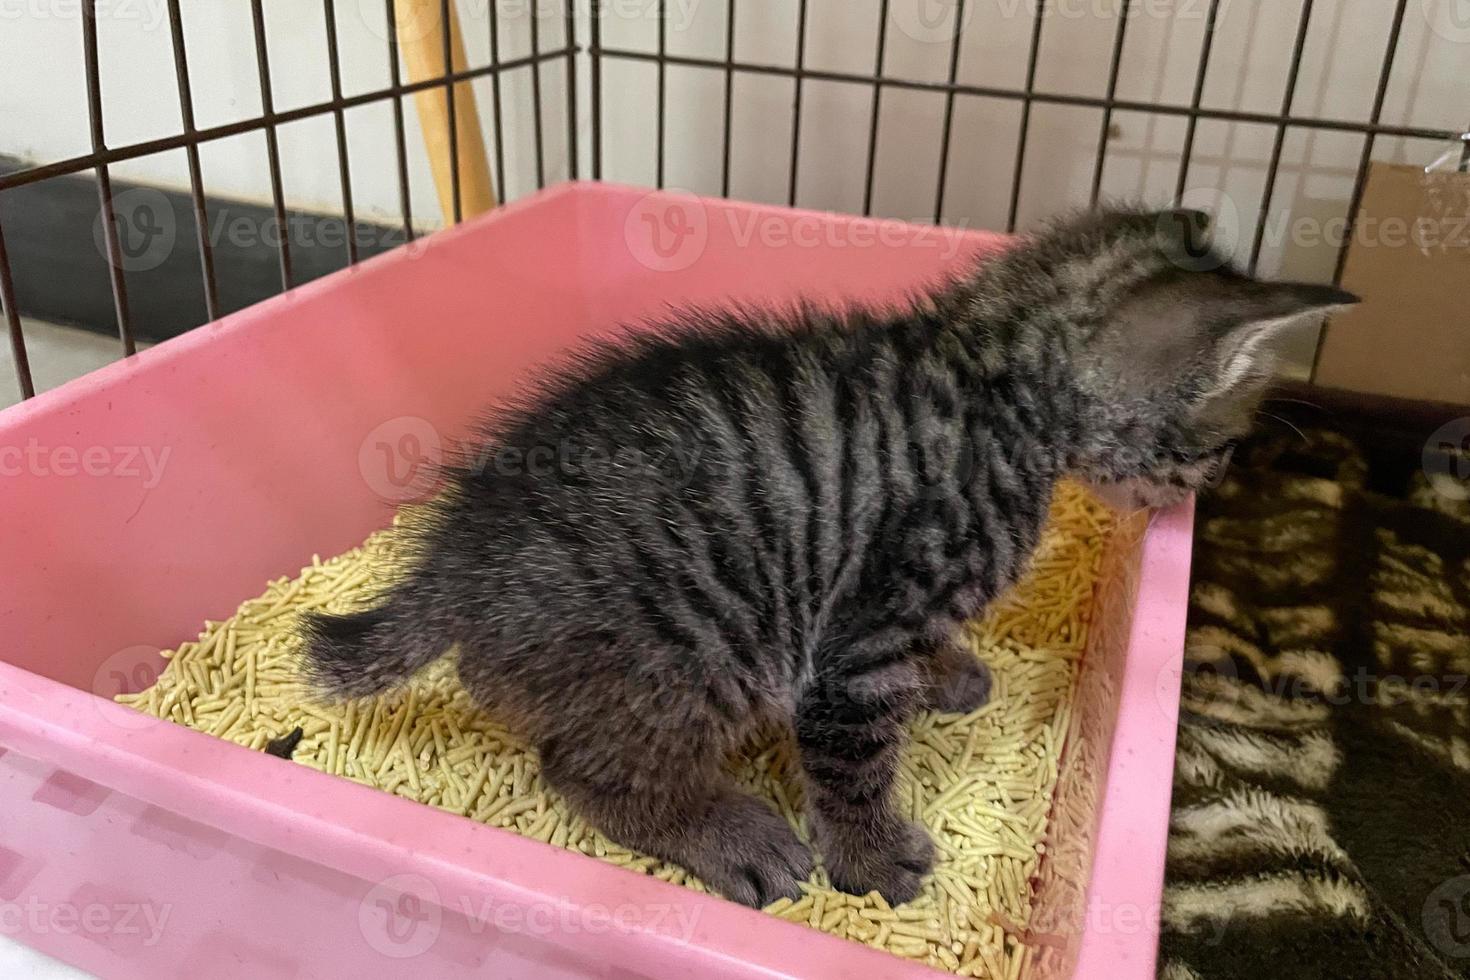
[(1172, 348)]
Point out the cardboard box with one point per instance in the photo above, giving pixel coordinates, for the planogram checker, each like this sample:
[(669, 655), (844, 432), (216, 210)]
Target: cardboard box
[(1410, 261)]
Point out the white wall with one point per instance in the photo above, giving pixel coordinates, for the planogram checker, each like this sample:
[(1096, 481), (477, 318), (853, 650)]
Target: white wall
[(43, 96), (43, 100)]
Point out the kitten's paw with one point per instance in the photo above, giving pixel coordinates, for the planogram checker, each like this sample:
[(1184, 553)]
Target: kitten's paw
[(751, 854), (960, 683), (895, 870)]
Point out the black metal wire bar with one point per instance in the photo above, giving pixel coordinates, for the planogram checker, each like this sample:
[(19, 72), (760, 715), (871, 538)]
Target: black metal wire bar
[(497, 124), (1303, 26), (876, 108), (339, 118), (1207, 45), (1028, 94), (104, 182), (272, 147), (536, 124), (12, 319), (1051, 98), (801, 18), (400, 144), (570, 42), (72, 165), (1465, 152), (949, 98), (447, 39), (594, 38), (661, 12), (1360, 183), (729, 95), (1115, 66), (191, 151)]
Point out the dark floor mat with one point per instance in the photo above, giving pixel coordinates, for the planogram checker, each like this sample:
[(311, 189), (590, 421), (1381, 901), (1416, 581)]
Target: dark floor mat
[(1321, 822)]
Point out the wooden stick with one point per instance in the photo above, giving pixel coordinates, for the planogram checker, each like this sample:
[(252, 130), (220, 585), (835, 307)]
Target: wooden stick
[(421, 39)]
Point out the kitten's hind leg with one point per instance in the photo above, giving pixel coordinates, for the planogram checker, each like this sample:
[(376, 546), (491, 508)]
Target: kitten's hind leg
[(851, 731), (669, 798), (955, 679)]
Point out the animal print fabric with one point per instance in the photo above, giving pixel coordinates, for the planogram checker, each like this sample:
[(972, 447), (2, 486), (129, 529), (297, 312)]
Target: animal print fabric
[(1321, 815)]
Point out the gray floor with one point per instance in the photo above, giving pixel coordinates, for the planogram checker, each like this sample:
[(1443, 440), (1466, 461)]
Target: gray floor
[(57, 354)]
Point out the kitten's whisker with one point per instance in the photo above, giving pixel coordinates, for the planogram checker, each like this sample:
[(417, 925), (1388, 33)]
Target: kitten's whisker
[(1288, 424), (1294, 401)]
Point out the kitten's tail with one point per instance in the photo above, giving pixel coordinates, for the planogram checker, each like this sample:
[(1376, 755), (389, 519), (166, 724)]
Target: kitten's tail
[(363, 653)]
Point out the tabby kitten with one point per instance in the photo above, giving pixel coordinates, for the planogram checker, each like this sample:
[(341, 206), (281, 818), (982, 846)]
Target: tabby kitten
[(784, 517)]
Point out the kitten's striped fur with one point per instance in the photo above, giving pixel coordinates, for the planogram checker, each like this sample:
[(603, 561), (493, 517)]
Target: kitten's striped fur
[(755, 517)]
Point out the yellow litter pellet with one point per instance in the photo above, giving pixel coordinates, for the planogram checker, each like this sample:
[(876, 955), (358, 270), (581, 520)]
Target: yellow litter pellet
[(982, 783)]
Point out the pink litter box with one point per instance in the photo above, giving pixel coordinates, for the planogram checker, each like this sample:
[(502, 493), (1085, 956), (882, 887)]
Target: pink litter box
[(168, 487)]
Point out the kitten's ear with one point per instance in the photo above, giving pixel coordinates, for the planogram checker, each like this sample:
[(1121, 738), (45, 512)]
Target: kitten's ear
[(1257, 312)]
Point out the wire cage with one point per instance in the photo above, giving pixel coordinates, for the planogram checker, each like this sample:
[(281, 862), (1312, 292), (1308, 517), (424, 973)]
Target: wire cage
[(594, 119)]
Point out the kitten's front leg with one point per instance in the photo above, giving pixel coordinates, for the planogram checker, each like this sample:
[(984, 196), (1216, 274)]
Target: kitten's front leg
[(850, 728)]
